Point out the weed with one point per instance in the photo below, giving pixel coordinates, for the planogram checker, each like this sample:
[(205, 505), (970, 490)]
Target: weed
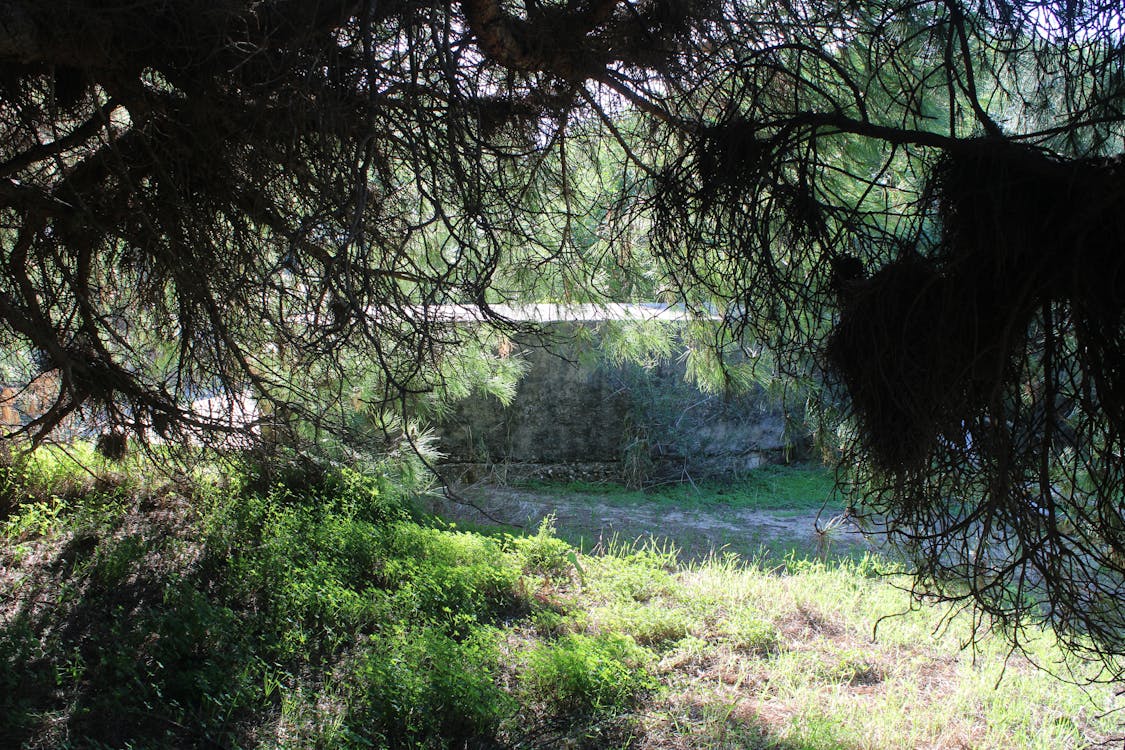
[(550, 623), (36, 518), (851, 667), (748, 632), (544, 553), (419, 687), (638, 575), (587, 675), (653, 624), (316, 613)]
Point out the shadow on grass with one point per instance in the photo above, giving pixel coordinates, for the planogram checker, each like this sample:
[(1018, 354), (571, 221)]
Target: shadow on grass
[(153, 635), (106, 645), (719, 724)]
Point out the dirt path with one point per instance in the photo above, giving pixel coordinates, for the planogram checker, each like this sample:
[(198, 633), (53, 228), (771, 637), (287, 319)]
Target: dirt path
[(590, 520)]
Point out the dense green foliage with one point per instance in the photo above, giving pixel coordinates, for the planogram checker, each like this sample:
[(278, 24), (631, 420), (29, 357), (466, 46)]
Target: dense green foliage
[(318, 586)]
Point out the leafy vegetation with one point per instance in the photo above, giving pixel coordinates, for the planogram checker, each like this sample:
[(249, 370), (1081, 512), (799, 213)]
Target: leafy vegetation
[(316, 609)]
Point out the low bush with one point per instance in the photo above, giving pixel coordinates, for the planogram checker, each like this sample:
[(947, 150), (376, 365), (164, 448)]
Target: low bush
[(580, 674), (544, 553), (417, 687)]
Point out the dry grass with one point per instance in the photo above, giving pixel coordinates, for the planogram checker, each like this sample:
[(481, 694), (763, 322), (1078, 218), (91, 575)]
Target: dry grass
[(831, 680)]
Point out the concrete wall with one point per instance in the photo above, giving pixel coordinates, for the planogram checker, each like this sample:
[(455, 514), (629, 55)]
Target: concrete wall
[(635, 423)]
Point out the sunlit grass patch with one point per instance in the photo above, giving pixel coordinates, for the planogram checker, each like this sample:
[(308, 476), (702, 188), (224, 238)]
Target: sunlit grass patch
[(581, 674), (831, 679), (788, 488)]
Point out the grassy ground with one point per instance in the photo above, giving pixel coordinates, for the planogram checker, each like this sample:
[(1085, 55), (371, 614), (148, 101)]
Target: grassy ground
[(795, 488), (315, 611), (769, 514)]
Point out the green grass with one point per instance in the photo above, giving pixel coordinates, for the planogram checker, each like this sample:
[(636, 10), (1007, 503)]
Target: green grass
[(314, 611), (766, 513), (795, 488)]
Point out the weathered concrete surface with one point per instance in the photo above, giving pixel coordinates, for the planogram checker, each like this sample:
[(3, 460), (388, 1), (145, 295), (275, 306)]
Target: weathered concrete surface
[(641, 422), (562, 413)]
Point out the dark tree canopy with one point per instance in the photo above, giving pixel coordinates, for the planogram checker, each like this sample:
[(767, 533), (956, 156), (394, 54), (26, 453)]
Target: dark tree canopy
[(920, 200), (245, 177)]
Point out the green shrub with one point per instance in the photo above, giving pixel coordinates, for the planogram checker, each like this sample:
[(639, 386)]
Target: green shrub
[(545, 554), (421, 687), (33, 518), (638, 576), (582, 674), (51, 489), (450, 576), (550, 622)]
